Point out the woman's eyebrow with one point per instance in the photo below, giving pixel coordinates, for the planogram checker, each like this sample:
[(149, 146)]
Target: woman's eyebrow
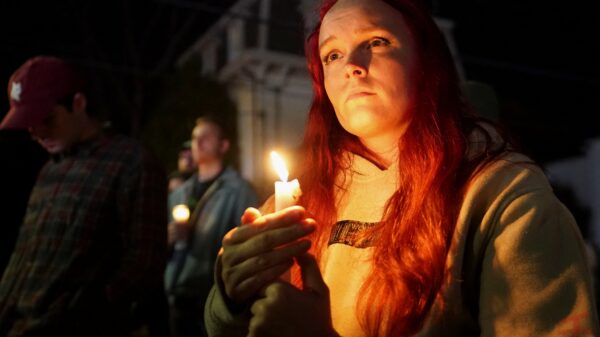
[(361, 31), (327, 41)]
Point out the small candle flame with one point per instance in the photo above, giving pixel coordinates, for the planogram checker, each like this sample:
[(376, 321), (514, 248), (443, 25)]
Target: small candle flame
[(181, 213), (279, 166)]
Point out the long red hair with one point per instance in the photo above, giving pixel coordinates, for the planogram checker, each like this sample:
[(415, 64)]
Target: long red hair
[(414, 234)]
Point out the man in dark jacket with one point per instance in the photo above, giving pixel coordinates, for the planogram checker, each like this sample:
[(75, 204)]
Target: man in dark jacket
[(217, 196)]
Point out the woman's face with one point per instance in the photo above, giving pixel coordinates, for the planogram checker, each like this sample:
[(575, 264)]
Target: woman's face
[(366, 56)]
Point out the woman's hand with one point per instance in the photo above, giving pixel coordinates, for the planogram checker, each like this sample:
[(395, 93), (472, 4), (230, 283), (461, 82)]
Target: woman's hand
[(261, 249), (286, 311)]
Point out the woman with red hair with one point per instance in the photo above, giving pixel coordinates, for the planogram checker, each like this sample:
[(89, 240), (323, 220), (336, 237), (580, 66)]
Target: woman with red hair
[(418, 218)]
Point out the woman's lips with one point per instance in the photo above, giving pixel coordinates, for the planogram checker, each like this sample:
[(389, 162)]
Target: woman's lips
[(359, 94)]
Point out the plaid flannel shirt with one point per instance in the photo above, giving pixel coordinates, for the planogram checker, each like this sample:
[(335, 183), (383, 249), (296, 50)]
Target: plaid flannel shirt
[(92, 241)]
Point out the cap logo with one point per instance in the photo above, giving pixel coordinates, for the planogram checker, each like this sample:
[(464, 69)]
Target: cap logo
[(15, 91)]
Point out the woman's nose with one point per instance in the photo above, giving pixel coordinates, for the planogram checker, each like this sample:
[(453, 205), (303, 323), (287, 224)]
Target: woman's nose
[(356, 65)]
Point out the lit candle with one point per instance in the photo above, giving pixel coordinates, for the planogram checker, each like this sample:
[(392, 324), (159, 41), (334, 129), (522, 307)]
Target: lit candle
[(286, 192), (181, 213)]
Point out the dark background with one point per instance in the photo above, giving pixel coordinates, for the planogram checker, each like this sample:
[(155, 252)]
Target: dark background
[(539, 56), (542, 59)]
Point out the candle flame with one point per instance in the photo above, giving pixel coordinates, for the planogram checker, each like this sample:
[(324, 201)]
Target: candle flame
[(181, 213), (279, 166)]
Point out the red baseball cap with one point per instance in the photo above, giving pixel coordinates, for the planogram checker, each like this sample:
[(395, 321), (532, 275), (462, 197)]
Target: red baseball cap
[(36, 87)]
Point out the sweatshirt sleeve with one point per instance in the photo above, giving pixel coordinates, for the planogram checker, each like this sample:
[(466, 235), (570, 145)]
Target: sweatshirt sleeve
[(535, 279), (218, 318)]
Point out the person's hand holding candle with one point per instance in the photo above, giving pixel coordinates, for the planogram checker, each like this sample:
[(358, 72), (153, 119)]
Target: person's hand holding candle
[(263, 248), (259, 251)]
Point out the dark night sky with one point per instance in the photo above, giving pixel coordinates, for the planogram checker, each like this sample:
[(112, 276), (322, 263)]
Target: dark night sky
[(542, 59), (540, 56)]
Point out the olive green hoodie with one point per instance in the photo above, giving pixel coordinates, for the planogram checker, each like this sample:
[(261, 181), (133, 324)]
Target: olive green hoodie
[(517, 260)]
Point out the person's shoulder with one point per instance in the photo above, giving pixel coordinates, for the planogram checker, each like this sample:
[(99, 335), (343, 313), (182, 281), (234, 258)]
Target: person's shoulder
[(233, 179), (121, 145), (231, 175), (188, 183), (510, 165), (509, 186), (127, 143), (509, 176), (133, 150), (183, 191)]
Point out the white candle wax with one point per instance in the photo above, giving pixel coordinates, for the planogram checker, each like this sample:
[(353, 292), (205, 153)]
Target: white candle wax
[(286, 194)]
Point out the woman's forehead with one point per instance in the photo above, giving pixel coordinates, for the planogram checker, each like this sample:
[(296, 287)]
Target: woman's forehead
[(354, 16), (368, 14)]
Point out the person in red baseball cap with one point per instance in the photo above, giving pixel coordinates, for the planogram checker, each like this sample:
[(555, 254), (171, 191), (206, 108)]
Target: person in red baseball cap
[(92, 244), (36, 87), (46, 96)]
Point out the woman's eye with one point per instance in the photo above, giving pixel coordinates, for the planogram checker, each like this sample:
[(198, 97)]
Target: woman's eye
[(378, 42), (331, 57)]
